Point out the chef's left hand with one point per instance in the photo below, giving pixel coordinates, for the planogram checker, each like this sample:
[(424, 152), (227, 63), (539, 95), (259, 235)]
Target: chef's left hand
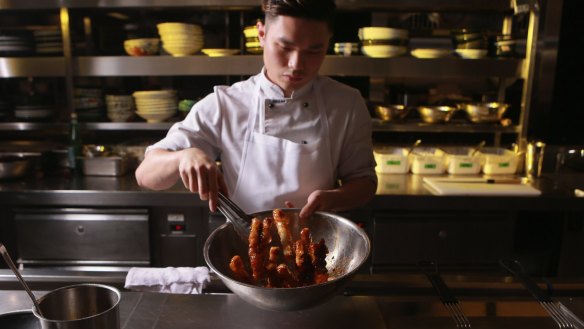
[(318, 200)]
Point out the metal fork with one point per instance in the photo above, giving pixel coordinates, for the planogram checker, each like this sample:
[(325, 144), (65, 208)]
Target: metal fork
[(552, 307), (240, 220), (447, 298)]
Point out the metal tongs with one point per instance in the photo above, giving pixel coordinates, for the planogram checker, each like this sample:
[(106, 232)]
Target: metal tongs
[(448, 299), (552, 307), (239, 219)]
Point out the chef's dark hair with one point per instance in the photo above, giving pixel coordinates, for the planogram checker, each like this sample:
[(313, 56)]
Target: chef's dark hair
[(319, 10)]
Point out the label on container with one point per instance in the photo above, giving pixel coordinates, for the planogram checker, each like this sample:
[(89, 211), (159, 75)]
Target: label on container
[(429, 166), (504, 164), (465, 165), (393, 163)]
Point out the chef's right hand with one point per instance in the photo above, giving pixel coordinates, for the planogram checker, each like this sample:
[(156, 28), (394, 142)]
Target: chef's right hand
[(200, 174)]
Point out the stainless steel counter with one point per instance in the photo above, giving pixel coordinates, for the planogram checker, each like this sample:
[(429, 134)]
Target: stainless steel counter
[(395, 192), (162, 311)]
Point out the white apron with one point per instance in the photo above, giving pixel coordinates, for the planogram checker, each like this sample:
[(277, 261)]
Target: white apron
[(275, 170)]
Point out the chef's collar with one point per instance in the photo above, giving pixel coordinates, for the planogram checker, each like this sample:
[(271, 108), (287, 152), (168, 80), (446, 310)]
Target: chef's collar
[(273, 91)]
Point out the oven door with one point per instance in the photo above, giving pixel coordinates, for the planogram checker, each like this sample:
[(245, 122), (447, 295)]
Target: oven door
[(76, 238)]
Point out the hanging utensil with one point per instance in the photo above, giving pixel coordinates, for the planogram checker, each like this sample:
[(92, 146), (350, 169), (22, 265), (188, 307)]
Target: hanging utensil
[(10, 263), (478, 148), (416, 144)]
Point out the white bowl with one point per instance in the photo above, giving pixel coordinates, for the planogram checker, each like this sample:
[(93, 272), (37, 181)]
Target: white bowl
[(142, 47), (381, 33), (431, 53), (155, 117), (153, 94), (179, 51), (174, 27), (219, 52), (471, 53), (383, 51), (250, 31)]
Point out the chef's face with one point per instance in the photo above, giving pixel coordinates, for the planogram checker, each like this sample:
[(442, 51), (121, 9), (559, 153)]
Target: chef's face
[(294, 49)]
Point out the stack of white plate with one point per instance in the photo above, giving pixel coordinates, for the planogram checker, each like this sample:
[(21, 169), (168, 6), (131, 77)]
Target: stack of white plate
[(181, 39), (15, 43), (33, 112), (120, 108), (48, 42), (383, 42), (156, 105)]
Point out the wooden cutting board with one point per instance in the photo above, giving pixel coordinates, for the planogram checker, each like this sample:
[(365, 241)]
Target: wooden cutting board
[(475, 186)]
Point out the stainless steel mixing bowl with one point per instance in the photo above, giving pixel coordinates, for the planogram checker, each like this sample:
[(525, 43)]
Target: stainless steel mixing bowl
[(436, 114), (485, 112), (389, 113), (348, 245)]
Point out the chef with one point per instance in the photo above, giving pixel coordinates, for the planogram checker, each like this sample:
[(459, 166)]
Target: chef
[(284, 137)]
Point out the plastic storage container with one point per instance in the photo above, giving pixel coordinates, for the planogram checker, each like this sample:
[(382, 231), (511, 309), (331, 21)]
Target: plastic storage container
[(496, 161), (460, 161), (427, 160), (391, 160)]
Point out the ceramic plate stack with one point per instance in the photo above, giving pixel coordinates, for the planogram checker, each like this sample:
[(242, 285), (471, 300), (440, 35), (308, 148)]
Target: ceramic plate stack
[(89, 104), (156, 105), (120, 108), (252, 42), (383, 42), (181, 39), (33, 112), (48, 42), (16, 43)]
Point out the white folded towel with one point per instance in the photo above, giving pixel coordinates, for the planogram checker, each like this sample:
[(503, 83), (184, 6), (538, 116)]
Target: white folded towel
[(176, 280)]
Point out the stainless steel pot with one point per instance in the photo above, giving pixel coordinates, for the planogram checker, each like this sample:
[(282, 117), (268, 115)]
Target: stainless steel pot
[(348, 246), (82, 306)]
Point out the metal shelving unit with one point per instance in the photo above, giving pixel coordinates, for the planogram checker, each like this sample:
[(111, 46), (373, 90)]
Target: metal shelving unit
[(70, 67)]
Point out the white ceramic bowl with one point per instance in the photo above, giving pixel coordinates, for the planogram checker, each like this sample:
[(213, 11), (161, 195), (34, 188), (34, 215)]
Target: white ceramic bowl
[(250, 31), (383, 51), (155, 117), (178, 27), (219, 52), (381, 33), (472, 53)]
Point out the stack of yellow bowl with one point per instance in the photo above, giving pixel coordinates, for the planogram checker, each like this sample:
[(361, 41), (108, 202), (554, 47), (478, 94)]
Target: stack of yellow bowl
[(252, 42), (383, 41), (181, 39), (156, 105)]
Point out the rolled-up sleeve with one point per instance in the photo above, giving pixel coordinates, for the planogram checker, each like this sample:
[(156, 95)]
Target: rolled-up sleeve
[(200, 129)]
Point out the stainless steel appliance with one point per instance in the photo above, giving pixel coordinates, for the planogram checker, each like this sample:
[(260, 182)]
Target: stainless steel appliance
[(79, 238)]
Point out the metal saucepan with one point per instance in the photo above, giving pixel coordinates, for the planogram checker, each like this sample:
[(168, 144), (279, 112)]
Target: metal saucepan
[(348, 245), (80, 306)]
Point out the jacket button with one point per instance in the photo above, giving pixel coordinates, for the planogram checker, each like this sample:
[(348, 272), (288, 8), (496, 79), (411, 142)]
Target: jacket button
[(270, 105), (305, 104)]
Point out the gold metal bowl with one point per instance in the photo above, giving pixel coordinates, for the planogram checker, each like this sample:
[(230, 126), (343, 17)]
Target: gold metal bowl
[(389, 113)]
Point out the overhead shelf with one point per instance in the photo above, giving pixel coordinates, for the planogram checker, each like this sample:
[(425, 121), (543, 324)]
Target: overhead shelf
[(451, 127), (403, 67), (12, 67)]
